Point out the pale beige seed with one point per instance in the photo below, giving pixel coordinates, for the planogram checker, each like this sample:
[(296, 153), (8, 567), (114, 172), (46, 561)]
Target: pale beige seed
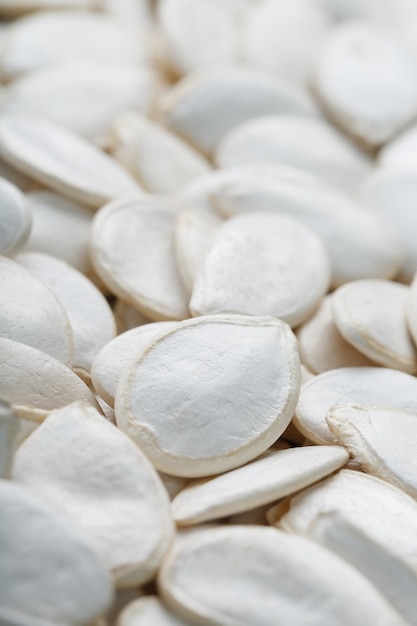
[(205, 105), (322, 347), (258, 483), (83, 97), (31, 313), (49, 572), (372, 386), (211, 394), (114, 357), (35, 383), (371, 316), (281, 575), (160, 160), (388, 571), (138, 232), (60, 228), (59, 159), (302, 142), (380, 440), (90, 316), (46, 38), (106, 487), (376, 512), (263, 264), (365, 81), (360, 243), (268, 36), (393, 195)]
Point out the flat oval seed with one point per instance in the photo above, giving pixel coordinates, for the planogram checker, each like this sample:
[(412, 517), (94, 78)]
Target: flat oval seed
[(138, 234), (205, 105), (211, 394), (15, 218), (371, 316), (256, 484), (160, 160), (268, 42), (203, 577), (61, 160), (9, 429), (380, 511), (90, 316), (31, 313), (83, 97), (47, 38), (381, 440), (393, 195), (263, 264), (60, 228), (371, 386), (365, 81), (195, 232), (187, 30), (35, 383), (149, 610), (106, 486), (390, 573), (306, 143), (360, 243), (321, 345), (49, 572), (116, 355), (203, 190)]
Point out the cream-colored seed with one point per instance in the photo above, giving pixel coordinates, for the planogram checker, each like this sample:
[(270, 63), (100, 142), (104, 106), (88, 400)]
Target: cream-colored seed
[(208, 312)]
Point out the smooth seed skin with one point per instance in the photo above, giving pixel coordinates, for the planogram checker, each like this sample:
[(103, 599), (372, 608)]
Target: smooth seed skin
[(371, 315), (60, 228), (380, 440), (305, 143), (49, 572), (205, 105), (139, 232), (59, 159), (91, 319), (372, 386), (254, 558), (45, 324), (258, 483), (107, 488)]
